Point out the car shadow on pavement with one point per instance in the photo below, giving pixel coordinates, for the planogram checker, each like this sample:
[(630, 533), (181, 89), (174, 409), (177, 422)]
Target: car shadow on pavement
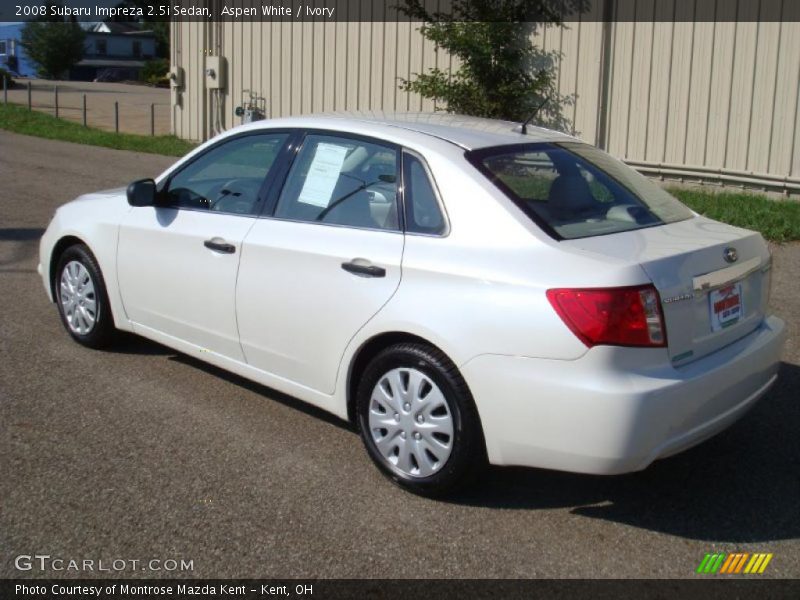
[(263, 390), (23, 245), (130, 343), (740, 486), (20, 234)]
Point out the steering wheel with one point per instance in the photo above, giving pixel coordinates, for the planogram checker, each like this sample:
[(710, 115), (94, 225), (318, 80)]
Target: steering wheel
[(184, 197), (224, 191), (236, 196)]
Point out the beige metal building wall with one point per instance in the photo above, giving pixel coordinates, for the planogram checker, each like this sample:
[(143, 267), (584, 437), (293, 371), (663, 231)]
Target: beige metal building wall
[(300, 68), (716, 100)]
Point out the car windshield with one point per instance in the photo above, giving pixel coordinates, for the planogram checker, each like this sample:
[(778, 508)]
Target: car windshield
[(573, 190)]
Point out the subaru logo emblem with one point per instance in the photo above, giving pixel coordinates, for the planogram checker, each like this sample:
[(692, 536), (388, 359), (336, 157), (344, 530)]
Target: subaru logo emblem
[(730, 254)]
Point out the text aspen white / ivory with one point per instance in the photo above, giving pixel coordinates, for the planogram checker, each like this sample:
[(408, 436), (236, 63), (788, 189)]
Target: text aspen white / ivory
[(277, 11)]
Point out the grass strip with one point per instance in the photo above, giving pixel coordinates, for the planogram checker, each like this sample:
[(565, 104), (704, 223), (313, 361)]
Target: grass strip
[(19, 119), (777, 220)]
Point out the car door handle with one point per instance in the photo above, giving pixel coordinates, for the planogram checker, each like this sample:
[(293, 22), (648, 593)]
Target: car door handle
[(219, 245), (360, 268)]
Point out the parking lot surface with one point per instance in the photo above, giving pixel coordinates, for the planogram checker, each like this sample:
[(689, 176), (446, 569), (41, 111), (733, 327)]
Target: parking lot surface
[(141, 453)]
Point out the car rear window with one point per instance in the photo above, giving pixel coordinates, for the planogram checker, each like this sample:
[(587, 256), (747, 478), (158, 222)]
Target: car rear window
[(574, 190)]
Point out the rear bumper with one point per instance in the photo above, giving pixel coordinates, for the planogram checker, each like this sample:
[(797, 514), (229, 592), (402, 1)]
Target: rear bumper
[(611, 411)]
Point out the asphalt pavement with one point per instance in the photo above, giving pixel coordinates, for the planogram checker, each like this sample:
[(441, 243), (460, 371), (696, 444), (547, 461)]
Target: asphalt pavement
[(141, 453)]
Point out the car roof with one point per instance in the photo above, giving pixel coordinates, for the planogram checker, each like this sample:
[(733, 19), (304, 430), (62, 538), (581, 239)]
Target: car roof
[(467, 132)]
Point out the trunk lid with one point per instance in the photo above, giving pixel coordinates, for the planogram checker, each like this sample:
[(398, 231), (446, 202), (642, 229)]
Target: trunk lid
[(713, 279)]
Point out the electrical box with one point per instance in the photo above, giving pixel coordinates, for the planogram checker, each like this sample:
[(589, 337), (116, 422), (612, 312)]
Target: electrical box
[(176, 77), (215, 72), (253, 107)]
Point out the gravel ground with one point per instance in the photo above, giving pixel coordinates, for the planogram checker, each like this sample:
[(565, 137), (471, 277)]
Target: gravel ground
[(142, 453), (134, 103)]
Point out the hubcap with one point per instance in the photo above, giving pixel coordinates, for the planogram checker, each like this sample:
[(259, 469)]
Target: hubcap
[(410, 422), (78, 299)]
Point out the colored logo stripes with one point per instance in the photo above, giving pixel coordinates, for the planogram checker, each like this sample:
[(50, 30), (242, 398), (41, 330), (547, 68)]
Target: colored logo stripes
[(738, 562)]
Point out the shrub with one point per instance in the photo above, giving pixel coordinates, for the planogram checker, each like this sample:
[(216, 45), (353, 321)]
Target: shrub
[(155, 72), (5, 75)]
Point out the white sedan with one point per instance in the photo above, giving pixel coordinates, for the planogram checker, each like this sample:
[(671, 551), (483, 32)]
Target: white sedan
[(460, 289)]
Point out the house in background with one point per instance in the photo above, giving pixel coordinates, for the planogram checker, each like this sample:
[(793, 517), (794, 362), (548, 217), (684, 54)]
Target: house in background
[(12, 55), (114, 52), (8, 54)]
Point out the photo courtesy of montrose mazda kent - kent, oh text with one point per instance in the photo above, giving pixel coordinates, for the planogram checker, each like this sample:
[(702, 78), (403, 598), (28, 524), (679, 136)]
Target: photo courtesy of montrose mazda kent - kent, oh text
[(464, 291)]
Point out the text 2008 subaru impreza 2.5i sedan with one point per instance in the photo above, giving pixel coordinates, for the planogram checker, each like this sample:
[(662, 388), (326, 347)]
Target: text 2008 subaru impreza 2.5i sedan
[(461, 289)]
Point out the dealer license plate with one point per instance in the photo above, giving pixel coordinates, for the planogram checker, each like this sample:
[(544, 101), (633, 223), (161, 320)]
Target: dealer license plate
[(726, 306)]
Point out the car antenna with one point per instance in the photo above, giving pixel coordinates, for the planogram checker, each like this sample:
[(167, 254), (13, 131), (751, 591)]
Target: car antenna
[(533, 114)]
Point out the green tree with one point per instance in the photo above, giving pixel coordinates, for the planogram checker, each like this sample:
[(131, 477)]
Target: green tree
[(161, 30), (54, 46), (501, 74)]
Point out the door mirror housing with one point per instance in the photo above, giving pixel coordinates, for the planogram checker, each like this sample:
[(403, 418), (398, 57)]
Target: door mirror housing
[(142, 193)]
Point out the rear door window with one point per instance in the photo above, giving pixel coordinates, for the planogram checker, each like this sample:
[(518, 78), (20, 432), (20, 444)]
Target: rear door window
[(342, 181), (422, 209)]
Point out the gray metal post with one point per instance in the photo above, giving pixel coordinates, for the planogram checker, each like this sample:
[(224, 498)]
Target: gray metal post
[(55, 99), (29, 96), (152, 120), (116, 117), (84, 110)]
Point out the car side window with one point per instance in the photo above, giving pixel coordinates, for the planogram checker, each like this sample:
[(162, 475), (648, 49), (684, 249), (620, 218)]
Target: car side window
[(342, 181), (422, 210), (228, 177)]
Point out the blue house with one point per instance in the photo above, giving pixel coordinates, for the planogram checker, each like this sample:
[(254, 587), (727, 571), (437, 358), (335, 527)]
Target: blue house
[(12, 54), (113, 52)]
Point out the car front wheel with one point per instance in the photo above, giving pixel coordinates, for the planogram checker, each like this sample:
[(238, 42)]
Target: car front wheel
[(82, 299), (418, 421)]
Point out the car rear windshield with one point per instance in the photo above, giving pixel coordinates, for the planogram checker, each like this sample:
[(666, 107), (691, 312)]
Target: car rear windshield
[(573, 190)]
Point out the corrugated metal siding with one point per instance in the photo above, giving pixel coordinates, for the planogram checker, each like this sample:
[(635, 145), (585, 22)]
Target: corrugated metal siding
[(706, 95), (304, 67), (702, 95)]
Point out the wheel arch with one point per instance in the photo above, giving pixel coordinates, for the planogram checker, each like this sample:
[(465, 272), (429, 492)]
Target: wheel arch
[(371, 348), (365, 353)]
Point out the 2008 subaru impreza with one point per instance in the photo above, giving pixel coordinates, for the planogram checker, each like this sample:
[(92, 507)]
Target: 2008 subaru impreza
[(461, 289)]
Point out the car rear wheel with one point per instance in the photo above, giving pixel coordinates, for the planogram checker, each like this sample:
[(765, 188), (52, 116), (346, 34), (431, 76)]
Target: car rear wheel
[(82, 299), (418, 421)]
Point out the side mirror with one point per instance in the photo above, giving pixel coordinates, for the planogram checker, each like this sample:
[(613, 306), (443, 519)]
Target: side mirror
[(142, 193)]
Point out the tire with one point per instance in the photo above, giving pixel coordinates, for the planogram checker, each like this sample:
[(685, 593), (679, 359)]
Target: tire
[(401, 385), (82, 299)]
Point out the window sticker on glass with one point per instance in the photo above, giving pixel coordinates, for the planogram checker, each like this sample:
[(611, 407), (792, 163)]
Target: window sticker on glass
[(323, 175)]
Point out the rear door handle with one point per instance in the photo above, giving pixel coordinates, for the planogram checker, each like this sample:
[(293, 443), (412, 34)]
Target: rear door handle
[(360, 268), (219, 245)]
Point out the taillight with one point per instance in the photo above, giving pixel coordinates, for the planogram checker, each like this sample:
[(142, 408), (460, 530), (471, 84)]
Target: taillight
[(624, 316)]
